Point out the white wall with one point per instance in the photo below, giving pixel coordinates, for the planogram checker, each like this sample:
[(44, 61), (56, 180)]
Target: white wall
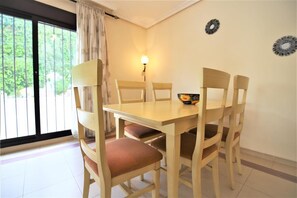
[(179, 47)]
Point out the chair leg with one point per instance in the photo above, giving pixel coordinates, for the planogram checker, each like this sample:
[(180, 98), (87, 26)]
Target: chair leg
[(105, 189), (229, 163), (86, 183), (233, 156), (215, 176), (196, 182), (238, 159), (156, 178)]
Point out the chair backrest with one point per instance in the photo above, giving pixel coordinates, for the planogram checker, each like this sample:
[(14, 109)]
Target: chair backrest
[(208, 112), (240, 87), (89, 74), (162, 87), (123, 85)]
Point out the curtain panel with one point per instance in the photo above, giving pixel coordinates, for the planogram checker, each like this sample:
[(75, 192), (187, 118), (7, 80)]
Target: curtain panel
[(91, 44)]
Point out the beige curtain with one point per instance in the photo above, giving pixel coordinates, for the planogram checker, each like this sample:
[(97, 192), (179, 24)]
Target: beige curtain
[(91, 42)]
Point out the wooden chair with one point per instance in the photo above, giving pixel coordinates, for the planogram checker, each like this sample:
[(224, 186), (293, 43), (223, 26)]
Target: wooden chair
[(115, 162), (196, 152), (231, 134), (162, 87), (135, 131), (157, 89)]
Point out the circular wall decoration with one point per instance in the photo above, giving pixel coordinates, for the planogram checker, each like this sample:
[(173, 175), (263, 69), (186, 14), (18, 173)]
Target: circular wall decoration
[(212, 26), (285, 46)]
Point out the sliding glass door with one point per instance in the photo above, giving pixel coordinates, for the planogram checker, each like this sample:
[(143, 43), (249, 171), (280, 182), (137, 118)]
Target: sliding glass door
[(16, 78), (35, 79), (56, 48)]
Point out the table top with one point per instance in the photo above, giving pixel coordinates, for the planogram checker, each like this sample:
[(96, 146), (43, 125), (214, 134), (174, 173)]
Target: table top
[(161, 112)]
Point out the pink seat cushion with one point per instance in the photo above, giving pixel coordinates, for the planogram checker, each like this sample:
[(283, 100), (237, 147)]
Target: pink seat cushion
[(188, 142), (140, 131), (125, 155)]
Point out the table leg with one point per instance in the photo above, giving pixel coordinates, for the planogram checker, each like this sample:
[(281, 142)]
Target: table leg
[(120, 124), (173, 161)]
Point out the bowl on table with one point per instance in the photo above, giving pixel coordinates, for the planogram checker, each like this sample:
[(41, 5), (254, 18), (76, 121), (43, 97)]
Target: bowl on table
[(188, 98)]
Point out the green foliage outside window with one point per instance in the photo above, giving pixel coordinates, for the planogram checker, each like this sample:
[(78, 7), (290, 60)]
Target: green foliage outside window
[(16, 61), (56, 52)]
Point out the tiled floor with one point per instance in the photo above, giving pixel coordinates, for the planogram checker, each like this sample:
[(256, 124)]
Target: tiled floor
[(57, 171)]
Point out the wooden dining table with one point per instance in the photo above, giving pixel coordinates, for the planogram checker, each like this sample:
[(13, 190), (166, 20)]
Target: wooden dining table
[(170, 117)]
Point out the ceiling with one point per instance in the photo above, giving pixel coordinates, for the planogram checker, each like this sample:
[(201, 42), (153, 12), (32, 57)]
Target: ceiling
[(143, 12)]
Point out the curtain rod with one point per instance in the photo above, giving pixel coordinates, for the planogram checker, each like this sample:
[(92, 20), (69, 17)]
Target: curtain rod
[(108, 14)]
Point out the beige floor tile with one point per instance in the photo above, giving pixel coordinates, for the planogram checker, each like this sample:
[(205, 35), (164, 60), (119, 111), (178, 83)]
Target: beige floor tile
[(225, 190), (271, 185), (207, 185), (74, 160), (117, 192), (58, 172), (185, 191), (248, 192), (12, 187), (246, 171), (12, 169), (45, 171), (63, 189), (94, 190), (137, 184)]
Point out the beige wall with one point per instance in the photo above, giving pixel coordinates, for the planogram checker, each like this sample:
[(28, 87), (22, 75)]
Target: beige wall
[(179, 47), (126, 45)]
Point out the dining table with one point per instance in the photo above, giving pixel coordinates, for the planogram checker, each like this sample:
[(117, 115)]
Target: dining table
[(170, 117)]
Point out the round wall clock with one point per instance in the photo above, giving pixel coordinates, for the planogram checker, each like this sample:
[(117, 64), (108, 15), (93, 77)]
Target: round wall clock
[(212, 26), (285, 46)]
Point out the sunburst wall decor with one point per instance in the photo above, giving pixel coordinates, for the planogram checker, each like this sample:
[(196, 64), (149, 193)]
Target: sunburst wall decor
[(285, 46), (212, 26)]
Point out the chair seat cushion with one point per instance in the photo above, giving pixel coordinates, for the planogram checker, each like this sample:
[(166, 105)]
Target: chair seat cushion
[(140, 131), (211, 130), (188, 142), (125, 155)]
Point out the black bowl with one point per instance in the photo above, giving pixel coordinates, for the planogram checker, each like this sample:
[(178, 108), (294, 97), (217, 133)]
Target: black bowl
[(188, 98)]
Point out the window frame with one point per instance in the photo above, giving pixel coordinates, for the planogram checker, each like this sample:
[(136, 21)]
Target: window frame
[(37, 12)]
